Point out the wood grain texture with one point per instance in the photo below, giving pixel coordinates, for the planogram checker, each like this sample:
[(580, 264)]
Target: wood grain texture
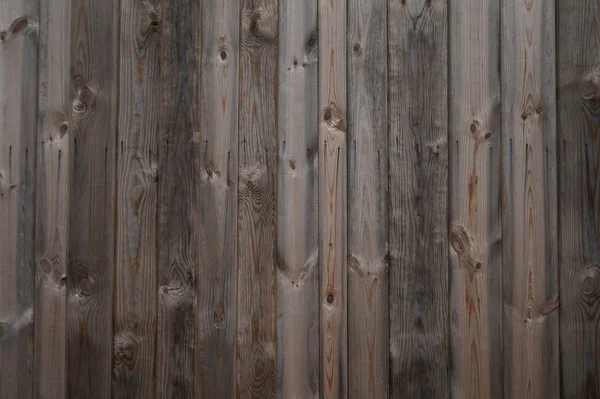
[(179, 179), (218, 199), (333, 198), (52, 200), (368, 258), (418, 123), (18, 122), (297, 218), (578, 82), (475, 200), (134, 330), (92, 161), (257, 200)]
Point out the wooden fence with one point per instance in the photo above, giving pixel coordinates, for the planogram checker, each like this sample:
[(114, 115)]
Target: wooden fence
[(300, 199)]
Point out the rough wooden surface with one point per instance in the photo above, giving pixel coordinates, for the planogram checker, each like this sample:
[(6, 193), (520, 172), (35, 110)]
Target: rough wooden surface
[(297, 198), (257, 200), (52, 194), (474, 183), (418, 137), (368, 335), (333, 198), (218, 199), (578, 83), (18, 121)]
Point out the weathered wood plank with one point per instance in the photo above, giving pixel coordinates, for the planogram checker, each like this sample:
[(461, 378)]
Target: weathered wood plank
[(52, 200), (333, 198), (475, 218), (368, 335), (297, 218), (578, 79), (92, 156), (257, 199), (179, 179), (218, 199), (18, 122), (418, 122), (137, 193)]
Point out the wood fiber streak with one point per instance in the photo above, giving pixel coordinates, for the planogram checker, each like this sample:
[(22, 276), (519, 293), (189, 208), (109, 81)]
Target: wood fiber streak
[(52, 200), (178, 200), (418, 117), (18, 122), (368, 258), (297, 205), (218, 199), (475, 200), (578, 64), (134, 330), (257, 200)]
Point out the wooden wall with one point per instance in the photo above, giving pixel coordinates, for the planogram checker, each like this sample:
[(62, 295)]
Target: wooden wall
[(300, 199)]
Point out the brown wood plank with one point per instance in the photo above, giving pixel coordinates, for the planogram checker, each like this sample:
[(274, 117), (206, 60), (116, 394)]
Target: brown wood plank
[(18, 122), (418, 122), (368, 335), (179, 179), (92, 161), (578, 82), (333, 198), (297, 219), (134, 330), (52, 199), (218, 199), (474, 182), (257, 199)]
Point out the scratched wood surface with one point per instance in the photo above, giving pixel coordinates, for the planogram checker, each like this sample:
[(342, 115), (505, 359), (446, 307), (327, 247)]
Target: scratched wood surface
[(299, 199)]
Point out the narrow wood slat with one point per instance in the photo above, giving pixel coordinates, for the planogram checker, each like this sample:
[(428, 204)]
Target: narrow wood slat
[(136, 225), (297, 219), (178, 200), (217, 221), (368, 335), (418, 123), (578, 82), (92, 156), (18, 122), (52, 200), (475, 217)]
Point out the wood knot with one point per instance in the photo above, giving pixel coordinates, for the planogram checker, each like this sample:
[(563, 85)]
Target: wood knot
[(475, 128), (329, 298), (261, 24), (332, 115), (125, 348), (18, 25), (85, 99), (46, 265), (589, 282), (464, 246), (223, 55), (357, 48), (211, 170), (292, 163), (83, 283)]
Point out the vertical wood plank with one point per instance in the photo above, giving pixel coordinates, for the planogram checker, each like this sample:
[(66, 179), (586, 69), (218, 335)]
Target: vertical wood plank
[(475, 217), (257, 199), (578, 64), (179, 179), (218, 199), (333, 198), (52, 200), (368, 335), (418, 123), (297, 235), (94, 74), (18, 122), (134, 330)]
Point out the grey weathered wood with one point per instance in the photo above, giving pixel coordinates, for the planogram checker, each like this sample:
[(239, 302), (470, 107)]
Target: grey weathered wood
[(578, 82), (18, 121), (333, 198), (217, 221), (137, 194), (297, 219), (92, 161), (52, 200), (418, 122), (475, 199), (179, 179), (257, 199), (368, 335)]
